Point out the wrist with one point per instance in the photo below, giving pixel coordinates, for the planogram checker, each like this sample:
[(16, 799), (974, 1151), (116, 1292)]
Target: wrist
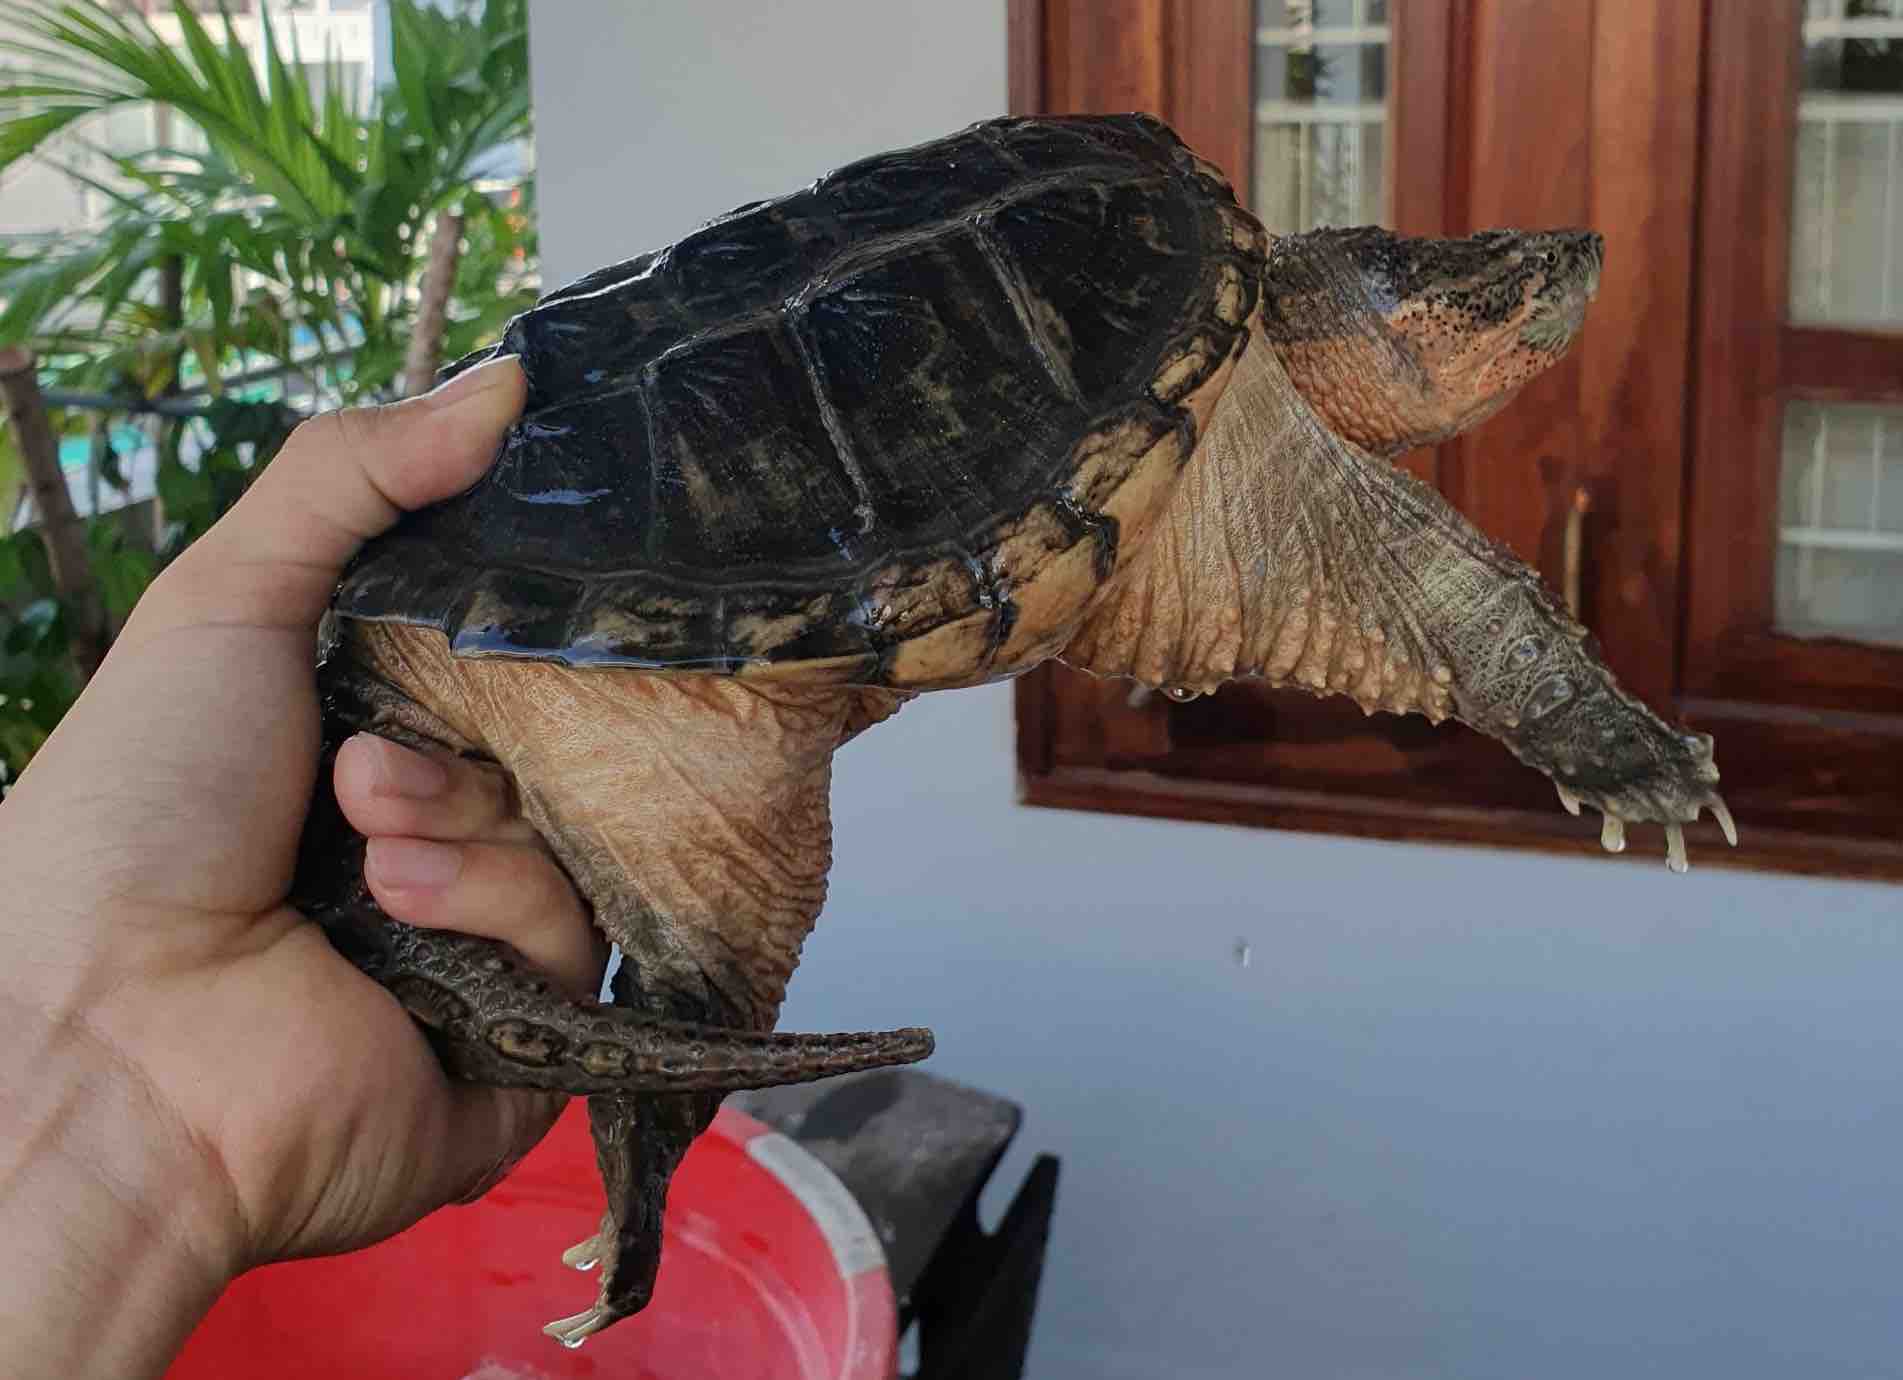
[(118, 1235)]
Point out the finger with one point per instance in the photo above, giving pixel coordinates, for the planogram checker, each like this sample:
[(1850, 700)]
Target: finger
[(385, 788), (341, 479), (490, 1130), (511, 892)]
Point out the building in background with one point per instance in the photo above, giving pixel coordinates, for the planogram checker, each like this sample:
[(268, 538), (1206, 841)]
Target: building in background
[(38, 199), (41, 201)]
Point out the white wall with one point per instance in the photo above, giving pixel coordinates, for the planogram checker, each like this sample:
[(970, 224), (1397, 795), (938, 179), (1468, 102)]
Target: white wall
[(1465, 1113)]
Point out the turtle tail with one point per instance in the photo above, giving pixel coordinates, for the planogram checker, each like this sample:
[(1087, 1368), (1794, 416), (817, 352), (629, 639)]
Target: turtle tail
[(494, 1020)]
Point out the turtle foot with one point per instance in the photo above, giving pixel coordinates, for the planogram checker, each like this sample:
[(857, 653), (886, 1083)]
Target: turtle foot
[(1675, 794)]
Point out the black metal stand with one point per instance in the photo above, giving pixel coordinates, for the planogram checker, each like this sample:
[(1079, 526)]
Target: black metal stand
[(917, 1151)]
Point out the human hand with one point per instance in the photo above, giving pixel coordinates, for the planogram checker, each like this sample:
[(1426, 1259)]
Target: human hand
[(192, 1081)]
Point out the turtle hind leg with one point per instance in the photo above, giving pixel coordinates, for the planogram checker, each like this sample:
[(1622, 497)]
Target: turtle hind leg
[(640, 1140)]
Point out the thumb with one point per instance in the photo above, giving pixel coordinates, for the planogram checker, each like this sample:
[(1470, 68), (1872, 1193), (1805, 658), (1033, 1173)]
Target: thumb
[(341, 479)]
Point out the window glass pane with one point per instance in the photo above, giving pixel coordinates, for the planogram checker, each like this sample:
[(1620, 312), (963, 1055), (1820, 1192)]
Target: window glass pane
[(1840, 522), (1321, 113), (1847, 197), (126, 129)]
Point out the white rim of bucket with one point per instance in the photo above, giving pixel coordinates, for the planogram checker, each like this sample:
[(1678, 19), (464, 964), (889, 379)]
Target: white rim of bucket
[(871, 1351)]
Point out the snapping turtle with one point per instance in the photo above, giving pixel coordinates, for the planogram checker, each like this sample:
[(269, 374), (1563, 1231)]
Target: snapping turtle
[(1040, 389)]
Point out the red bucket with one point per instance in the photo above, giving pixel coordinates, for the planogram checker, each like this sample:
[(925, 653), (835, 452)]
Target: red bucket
[(770, 1270)]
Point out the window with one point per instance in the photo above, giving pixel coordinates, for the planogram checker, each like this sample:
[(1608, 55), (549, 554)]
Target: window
[(1321, 113), (1840, 515)]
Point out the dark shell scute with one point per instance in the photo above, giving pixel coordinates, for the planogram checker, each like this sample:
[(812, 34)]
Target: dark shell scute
[(899, 191), (1040, 146), (939, 393), (513, 611), (1095, 261), (732, 264), (745, 470)]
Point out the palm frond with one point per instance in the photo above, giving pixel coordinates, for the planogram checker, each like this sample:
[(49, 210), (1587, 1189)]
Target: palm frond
[(110, 58)]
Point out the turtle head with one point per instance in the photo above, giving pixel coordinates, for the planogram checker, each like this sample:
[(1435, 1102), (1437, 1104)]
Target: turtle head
[(1401, 342)]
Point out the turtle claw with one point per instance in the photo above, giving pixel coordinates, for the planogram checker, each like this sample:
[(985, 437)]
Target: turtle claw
[(1723, 816), (1675, 847), (1567, 799), (583, 1255), (1612, 829), (572, 1332)]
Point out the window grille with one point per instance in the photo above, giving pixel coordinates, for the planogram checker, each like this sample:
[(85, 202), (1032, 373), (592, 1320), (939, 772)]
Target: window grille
[(1840, 518)]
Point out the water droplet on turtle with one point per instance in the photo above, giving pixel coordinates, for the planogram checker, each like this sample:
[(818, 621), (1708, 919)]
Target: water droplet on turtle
[(1548, 696), (1182, 694), (1525, 650)]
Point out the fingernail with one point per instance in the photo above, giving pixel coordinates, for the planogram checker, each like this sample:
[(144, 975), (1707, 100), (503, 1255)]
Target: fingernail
[(503, 370), (411, 863), (398, 771)]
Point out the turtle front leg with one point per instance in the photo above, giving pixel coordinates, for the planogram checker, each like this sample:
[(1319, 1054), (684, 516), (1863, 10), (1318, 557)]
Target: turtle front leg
[(1290, 554)]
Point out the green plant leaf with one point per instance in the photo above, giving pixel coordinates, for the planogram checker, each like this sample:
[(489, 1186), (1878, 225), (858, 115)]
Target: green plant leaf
[(21, 135), (26, 559), (186, 494), (122, 569), (38, 631), (12, 571)]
